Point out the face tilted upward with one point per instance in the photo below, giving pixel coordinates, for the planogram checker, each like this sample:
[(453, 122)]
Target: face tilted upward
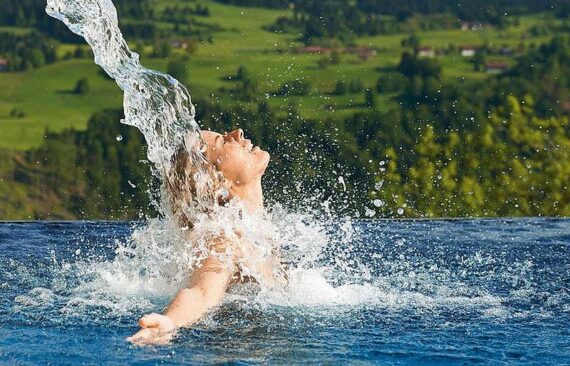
[(235, 157)]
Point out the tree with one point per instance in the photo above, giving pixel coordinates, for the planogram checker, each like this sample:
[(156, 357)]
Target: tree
[(163, 49), (369, 99), (390, 83), (480, 60), (81, 52), (412, 42), (422, 188), (355, 86), (242, 73), (412, 66), (335, 57), (340, 88), (178, 69), (82, 86), (37, 57), (247, 90)]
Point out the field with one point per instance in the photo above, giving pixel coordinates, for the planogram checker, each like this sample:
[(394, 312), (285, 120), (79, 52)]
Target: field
[(45, 94)]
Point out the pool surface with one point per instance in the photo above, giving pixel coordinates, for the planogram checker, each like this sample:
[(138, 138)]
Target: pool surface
[(398, 292)]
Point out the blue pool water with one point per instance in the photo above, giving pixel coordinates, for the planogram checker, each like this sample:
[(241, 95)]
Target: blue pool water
[(429, 292)]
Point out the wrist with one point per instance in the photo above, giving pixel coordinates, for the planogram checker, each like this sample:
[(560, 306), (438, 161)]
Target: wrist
[(171, 320)]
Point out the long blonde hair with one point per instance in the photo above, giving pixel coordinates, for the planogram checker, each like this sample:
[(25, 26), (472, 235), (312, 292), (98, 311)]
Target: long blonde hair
[(193, 184)]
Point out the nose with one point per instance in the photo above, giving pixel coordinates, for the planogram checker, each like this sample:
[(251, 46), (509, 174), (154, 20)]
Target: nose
[(237, 134)]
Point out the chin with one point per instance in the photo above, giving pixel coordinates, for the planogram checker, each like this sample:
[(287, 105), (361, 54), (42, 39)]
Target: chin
[(263, 158)]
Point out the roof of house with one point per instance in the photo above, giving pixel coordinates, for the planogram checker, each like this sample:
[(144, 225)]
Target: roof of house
[(312, 49), (497, 65)]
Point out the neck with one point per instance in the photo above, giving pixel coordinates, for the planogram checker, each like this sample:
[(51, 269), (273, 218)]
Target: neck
[(251, 194)]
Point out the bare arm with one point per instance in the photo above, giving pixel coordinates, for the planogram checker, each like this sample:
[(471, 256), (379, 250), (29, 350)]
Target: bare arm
[(206, 290)]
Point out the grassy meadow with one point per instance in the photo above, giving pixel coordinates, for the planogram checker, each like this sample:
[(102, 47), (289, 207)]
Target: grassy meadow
[(45, 94)]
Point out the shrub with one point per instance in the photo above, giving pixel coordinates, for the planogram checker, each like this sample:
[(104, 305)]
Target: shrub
[(17, 113), (323, 62)]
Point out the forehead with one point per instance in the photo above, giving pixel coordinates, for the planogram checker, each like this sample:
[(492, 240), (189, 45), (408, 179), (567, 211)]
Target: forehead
[(209, 136)]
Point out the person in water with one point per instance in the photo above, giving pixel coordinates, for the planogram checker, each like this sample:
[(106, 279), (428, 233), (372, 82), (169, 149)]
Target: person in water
[(241, 166)]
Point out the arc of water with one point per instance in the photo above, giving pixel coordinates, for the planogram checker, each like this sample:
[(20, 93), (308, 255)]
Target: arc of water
[(154, 102)]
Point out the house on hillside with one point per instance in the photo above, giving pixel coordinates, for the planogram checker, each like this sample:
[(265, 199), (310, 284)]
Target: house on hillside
[(468, 51), (3, 64), (363, 53), (428, 52), (496, 67), (311, 49), (472, 26), (179, 43)]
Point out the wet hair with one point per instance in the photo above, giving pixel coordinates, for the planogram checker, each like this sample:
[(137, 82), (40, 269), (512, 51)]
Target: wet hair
[(193, 184)]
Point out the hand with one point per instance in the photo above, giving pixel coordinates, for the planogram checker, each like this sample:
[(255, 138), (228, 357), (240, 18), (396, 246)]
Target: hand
[(156, 329)]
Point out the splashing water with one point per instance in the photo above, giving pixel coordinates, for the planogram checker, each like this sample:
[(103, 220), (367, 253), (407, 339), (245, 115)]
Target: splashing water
[(156, 258), (155, 103), (161, 108)]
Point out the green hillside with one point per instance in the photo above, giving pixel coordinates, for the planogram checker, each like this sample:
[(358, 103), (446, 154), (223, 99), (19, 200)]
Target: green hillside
[(45, 94)]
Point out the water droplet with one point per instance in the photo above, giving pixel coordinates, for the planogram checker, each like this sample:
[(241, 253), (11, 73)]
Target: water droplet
[(119, 138), (369, 213), (78, 251), (400, 211), (378, 203), (341, 181)]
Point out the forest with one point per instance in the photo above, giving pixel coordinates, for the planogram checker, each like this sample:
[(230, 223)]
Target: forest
[(24, 52), (342, 19), (429, 160)]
